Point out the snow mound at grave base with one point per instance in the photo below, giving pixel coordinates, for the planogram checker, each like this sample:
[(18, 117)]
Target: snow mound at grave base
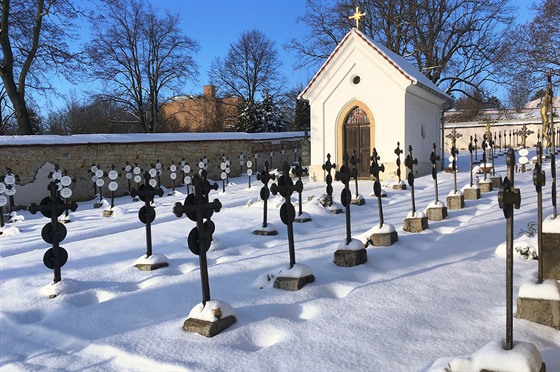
[(15, 217), (266, 280), (70, 218), (269, 227), (452, 193), (438, 204), (212, 311), (551, 226), (387, 228), (416, 214), (117, 211), (104, 204), (217, 245), (492, 357), (155, 258), (548, 290), (467, 187), (358, 197), (354, 245), (65, 286), (524, 247), (9, 230)]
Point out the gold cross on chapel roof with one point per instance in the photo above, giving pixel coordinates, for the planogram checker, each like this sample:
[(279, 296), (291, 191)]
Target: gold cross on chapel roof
[(357, 15)]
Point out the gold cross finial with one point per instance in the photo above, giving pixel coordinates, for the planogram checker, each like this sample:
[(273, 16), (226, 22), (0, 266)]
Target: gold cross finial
[(357, 15)]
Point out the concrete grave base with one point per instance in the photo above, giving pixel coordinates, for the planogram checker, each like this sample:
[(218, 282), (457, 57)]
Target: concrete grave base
[(399, 186), (436, 213), (539, 310), (349, 257), (383, 239), (335, 210), (358, 201), (485, 186), (293, 284), (206, 328), (496, 182), (265, 232), (455, 202), (107, 213), (415, 224), (303, 218), (150, 267), (471, 193), (551, 255)]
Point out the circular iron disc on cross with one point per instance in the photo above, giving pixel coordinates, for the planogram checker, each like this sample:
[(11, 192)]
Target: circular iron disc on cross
[(3, 200), (265, 193), (47, 212), (147, 214), (2, 188), (287, 213), (142, 195), (49, 259), (189, 200), (47, 232), (195, 244), (345, 197)]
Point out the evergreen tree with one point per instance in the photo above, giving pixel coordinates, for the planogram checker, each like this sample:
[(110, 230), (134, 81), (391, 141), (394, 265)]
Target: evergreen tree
[(303, 115), (272, 118)]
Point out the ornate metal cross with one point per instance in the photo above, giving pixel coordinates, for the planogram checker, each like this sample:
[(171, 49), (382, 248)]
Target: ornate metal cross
[(328, 167), (197, 208), (471, 149), (374, 170), (434, 158), (286, 187), (454, 152), (524, 133), (398, 151), (54, 232), (508, 198), (298, 172), (409, 162), (344, 175), (147, 213), (354, 160), (539, 180), (265, 177)]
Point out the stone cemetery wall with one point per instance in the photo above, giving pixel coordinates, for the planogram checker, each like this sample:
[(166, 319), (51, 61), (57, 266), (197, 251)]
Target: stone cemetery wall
[(33, 157)]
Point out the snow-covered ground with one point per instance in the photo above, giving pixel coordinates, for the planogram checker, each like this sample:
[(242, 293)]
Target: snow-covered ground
[(432, 295)]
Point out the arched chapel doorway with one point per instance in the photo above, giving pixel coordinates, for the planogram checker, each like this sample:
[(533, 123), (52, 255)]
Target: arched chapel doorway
[(357, 134)]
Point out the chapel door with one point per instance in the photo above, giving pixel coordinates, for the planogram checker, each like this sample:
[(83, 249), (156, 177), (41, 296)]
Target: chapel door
[(357, 135)]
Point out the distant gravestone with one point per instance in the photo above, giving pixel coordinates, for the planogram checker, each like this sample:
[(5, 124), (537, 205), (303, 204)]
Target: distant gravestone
[(357, 199), (173, 175), (265, 177), (437, 210), (128, 174), (147, 215), (472, 191), (286, 187), (98, 182), (301, 217), (415, 221), (136, 171), (455, 199), (485, 185), (112, 186), (328, 167), (386, 234), (54, 232), (400, 185)]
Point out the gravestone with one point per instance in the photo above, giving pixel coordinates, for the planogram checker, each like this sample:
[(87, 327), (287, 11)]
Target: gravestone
[(415, 221), (241, 161), (187, 177), (137, 179), (455, 199), (472, 191), (249, 166), (357, 199), (128, 174), (265, 177), (350, 252), (198, 208), (436, 211), (286, 187), (385, 234), (485, 184), (3, 202), (112, 186), (173, 175), (10, 179), (98, 182), (224, 170), (54, 232), (147, 215), (400, 185), (301, 217), (328, 167)]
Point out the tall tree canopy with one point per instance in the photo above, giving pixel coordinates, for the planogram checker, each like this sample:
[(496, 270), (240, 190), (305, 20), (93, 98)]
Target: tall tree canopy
[(453, 42), (250, 68), (140, 57), (34, 37)]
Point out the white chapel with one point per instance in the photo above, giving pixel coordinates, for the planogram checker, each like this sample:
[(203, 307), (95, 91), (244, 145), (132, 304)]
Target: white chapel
[(366, 96)]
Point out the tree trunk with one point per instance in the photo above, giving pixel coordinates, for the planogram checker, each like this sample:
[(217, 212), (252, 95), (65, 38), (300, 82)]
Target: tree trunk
[(20, 109)]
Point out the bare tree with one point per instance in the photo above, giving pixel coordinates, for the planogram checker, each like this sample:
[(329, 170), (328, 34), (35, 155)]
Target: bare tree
[(140, 57), (33, 37), (453, 42), (251, 67), (518, 93)]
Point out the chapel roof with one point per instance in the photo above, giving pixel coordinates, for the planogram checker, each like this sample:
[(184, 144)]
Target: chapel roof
[(397, 61)]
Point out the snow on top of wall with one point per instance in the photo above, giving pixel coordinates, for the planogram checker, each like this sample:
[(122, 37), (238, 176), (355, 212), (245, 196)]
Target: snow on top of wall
[(80, 139)]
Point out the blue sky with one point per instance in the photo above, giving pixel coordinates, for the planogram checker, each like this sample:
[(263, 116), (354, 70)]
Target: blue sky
[(216, 24)]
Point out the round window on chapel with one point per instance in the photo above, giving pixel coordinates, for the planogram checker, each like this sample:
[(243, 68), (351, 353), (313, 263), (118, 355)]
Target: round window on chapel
[(356, 80)]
